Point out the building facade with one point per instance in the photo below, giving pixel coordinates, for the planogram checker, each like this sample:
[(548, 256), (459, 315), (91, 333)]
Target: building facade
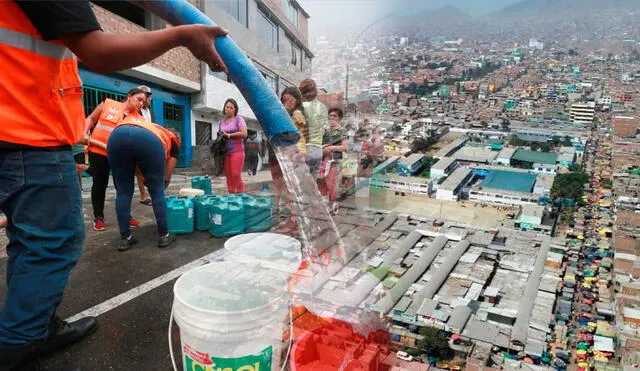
[(401, 184), (187, 96), (583, 113), (173, 78), (274, 36)]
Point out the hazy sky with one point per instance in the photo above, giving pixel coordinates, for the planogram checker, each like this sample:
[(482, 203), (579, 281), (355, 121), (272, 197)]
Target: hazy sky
[(336, 13)]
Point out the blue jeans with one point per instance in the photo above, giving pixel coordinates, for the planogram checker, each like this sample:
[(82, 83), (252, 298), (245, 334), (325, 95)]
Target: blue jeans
[(130, 146), (40, 194)]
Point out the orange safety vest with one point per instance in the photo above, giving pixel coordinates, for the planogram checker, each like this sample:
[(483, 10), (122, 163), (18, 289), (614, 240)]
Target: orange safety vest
[(111, 115), (165, 136), (40, 89)]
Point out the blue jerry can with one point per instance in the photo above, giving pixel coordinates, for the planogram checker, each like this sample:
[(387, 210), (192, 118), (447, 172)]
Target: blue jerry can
[(204, 209), (227, 218), (180, 214), (203, 183), (258, 215)]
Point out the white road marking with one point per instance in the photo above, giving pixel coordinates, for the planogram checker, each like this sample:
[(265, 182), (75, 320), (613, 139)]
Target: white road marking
[(135, 292)]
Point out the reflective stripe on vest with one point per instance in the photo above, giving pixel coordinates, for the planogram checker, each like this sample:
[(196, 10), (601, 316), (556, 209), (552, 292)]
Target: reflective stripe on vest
[(109, 117), (27, 42), (40, 88), (104, 127)]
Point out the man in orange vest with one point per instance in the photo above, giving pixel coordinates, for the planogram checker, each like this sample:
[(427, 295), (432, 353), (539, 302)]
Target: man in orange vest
[(41, 116)]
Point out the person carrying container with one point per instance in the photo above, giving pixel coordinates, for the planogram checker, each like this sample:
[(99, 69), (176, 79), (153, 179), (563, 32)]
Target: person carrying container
[(42, 117), (101, 122), (154, 150)]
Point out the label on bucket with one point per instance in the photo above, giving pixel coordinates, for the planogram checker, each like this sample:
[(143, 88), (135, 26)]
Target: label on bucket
[(217, 219), (201, 361)]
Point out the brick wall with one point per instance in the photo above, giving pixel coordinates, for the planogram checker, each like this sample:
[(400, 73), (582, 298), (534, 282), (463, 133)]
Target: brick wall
[(178, 61)]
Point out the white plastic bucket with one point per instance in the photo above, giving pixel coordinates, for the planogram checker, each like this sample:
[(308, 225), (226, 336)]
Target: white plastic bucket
[(270, 250), (232, 317)]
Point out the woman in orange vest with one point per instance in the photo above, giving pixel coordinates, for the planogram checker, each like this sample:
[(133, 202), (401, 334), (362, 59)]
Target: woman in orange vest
[(101, 122), (143, 145)]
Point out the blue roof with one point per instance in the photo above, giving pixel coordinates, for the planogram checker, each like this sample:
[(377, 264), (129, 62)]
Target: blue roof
[(509, 181)]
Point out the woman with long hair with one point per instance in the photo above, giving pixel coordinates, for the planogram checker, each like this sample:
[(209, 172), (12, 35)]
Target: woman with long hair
[(292, 101), (101, 123), (235, 129)]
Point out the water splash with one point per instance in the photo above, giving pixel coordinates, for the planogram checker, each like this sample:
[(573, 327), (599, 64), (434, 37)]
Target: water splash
[(322, 246)]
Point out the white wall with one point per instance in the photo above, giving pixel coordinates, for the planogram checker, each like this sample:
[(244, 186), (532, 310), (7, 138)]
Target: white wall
[(505, 200), (218, 91), (446, 195)]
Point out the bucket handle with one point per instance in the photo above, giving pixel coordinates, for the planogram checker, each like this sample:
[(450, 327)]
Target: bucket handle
[(284, 362)]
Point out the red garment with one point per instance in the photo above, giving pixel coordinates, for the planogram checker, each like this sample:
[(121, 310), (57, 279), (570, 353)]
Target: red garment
[(233, 163), (328, 184)]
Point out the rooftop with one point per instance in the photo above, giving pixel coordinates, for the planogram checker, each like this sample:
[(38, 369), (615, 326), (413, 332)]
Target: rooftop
[(536, 157), (533, 210), (475, 154), (507, 153), (414, 157), (625, 126), (544, 181), (510, 181), (443, 163), (447, 149), (628, 218), (455, 178)]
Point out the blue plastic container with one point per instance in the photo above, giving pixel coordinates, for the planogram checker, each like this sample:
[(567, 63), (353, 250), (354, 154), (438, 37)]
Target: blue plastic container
[(180, 214), (232, 197), (204, 209), (245, 197), (203, 183), (227, 218), (258, 215)]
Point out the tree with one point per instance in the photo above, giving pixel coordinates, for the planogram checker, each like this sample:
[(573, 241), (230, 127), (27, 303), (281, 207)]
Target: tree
[(515, 141), (396, 128), (575, 168), (573, 53), (422, 144), (570, 185), (556, 140), (506, 125), (433, 344), (566, 141)]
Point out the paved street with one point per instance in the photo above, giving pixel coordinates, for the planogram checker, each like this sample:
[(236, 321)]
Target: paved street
[(133, 326)]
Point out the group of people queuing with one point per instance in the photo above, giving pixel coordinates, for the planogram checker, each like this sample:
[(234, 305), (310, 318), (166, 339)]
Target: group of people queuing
[(42, 117), (121, 139), (324, 143)]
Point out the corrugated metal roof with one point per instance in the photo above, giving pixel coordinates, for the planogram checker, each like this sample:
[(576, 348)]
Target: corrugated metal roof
[(524, 155)]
